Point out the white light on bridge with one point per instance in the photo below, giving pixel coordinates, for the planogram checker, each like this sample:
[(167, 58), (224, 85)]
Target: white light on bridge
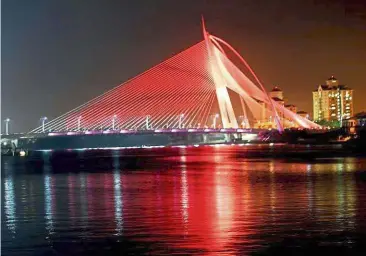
[(43, 119), (249, 136), (7, 120)]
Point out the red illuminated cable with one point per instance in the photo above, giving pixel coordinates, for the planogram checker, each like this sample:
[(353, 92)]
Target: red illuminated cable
[(152, 111), (197, 111), (180, 84), (209, 109), (157, 108), (103, 113), (189, 109), (97, 98), (197, 102)]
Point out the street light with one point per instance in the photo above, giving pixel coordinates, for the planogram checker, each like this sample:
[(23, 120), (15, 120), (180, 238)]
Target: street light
[(180, 121), (147, 122), (113, 121), (244, 122), (79, 123), (7, 126), (214, 120), (43, 119)]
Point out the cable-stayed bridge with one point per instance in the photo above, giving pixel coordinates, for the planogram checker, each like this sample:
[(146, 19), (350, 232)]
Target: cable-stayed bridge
[(199, 90), (193, 89)]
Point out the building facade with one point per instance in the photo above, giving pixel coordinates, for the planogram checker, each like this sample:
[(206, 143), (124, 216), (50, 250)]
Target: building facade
[(332, 102), (267, 120), (354, 124)]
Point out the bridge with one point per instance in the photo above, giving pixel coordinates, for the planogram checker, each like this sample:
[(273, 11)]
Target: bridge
[(198, 89)]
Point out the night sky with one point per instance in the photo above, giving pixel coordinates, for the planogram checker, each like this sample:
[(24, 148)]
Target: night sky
[(58, 54)]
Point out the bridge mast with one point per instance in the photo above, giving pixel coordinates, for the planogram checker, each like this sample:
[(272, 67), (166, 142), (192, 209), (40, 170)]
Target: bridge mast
[(226, 109)]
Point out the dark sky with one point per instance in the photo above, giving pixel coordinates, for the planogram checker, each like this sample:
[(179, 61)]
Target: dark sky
[(57, 54)]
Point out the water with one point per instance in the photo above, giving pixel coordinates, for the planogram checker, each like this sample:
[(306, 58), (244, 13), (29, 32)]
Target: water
[(186, 201)]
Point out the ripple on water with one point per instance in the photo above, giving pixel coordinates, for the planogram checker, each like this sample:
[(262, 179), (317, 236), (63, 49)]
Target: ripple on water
[(199, 202)]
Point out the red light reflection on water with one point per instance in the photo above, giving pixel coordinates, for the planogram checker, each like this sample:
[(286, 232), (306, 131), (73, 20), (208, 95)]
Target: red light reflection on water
[(213, 202)]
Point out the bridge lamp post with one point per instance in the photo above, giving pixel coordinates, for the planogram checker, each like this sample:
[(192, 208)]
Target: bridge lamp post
[(180, 121), (79, 123), (244, 121), (7, 126), (147, 121), (43, 119), (114, 121), (214, 120)]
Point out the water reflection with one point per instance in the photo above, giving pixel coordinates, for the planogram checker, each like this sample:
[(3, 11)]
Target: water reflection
[(200, 203), (83, 204), (118, 200), (184, 192), (9, 203), (49, 201), (224, 202)]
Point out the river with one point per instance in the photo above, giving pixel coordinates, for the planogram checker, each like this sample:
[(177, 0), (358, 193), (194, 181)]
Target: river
[(182, 201)]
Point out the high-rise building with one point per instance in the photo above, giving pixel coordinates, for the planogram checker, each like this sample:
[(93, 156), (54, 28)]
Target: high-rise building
[(266, 119), (332, 101)]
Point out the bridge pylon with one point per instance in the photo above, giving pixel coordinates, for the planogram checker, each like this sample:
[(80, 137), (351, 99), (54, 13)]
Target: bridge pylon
[(227, 114)]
